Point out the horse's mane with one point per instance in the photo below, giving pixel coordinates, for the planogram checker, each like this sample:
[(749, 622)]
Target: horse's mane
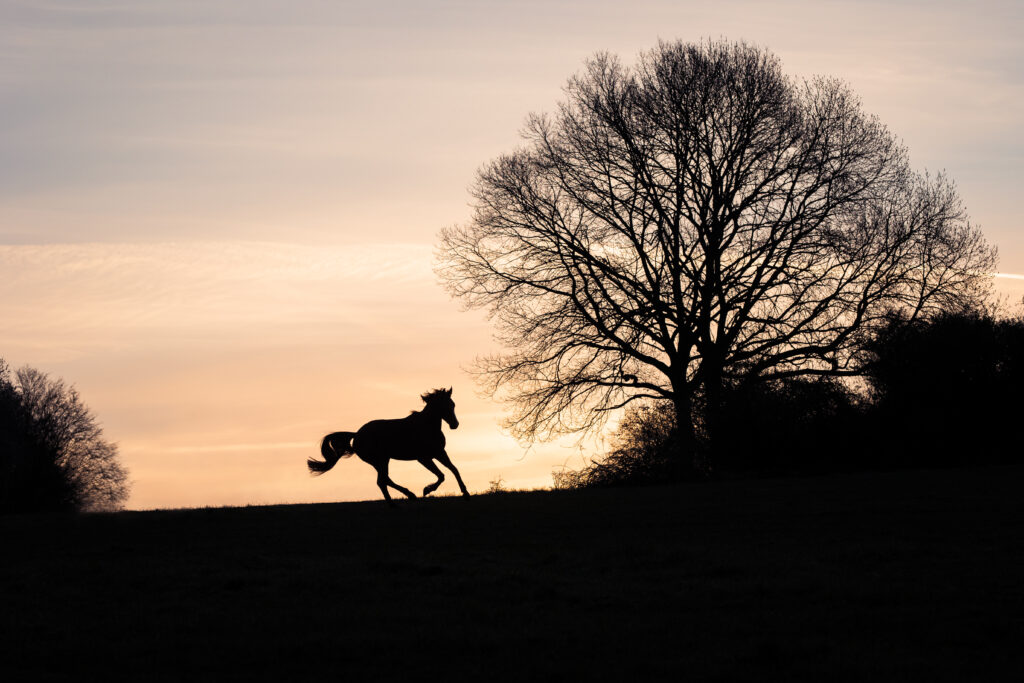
[(436, 393), (431, 396)]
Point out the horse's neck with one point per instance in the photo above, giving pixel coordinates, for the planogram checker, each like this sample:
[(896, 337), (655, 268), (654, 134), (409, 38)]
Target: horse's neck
[(428, 418)]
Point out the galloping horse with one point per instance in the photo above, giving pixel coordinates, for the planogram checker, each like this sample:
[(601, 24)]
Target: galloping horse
[(416, 437)]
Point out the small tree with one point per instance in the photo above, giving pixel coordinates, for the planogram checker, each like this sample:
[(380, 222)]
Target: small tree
[(53, 452), (696, 221)]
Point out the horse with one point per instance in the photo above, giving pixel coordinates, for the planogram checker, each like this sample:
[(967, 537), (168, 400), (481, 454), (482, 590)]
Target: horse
[(416, 437)]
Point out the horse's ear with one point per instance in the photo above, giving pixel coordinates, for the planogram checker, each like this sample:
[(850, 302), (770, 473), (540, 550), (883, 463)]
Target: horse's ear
[(449, 392)]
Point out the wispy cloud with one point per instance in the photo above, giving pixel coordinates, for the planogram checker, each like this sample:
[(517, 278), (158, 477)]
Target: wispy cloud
[(86, 295), (236, 447)]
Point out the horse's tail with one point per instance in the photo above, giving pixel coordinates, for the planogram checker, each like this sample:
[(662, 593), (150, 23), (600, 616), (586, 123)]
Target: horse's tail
[(334, 446)]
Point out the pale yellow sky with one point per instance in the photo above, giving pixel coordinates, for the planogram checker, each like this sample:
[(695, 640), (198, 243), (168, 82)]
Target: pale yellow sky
[(217, 219)]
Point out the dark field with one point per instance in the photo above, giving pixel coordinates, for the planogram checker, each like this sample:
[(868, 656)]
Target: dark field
[(898, 576)]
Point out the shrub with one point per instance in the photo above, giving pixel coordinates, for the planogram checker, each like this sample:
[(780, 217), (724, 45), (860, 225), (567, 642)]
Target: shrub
[(52, 452), (646, 451), (947, 390), (768, 428)]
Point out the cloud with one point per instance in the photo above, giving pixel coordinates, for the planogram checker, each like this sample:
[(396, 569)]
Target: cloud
[(237, 447)]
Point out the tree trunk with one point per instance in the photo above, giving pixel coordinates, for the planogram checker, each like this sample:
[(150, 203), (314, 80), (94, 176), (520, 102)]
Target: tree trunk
[(713, 413), (688, 455)]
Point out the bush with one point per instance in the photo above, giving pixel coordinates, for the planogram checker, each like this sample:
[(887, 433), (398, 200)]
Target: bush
[(646, 451), (768, 428), (940, 391), (52, 452), (789, 426), (947, 391)]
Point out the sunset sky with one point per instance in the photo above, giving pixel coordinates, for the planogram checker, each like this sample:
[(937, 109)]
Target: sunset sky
[(217, 219)]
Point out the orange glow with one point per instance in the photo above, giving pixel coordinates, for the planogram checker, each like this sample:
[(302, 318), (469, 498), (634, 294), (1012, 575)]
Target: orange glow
[(218, 367)]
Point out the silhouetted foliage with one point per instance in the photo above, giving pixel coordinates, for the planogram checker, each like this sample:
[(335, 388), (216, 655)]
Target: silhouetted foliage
[(30, 478), (794, 425), (695, 222), (947, 390), (645, 451), (52, 452), (784, 426), (944, 390)]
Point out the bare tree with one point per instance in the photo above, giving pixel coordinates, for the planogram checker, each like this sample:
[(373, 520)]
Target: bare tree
[(696, 220), (54, 455)]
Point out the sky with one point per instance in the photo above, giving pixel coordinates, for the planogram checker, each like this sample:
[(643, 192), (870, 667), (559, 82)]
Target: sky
[(218, 220)]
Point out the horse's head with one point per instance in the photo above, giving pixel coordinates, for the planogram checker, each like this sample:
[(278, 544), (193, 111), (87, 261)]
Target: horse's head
[(439, 402)]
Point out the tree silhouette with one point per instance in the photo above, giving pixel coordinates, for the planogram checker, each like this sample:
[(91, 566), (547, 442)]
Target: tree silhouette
[(696, 221), (792, 425), (946, 390), (52, 452)]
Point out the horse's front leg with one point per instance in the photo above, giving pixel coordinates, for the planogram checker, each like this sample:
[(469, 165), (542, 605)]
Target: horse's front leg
[(446, 461), (429, 464)]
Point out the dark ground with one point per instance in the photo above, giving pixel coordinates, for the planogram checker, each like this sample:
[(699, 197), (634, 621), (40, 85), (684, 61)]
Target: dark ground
[(897, 576)]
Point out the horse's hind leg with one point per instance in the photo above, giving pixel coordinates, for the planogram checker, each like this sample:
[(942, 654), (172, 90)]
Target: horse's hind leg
[(384, 481), (429, 464), (447, 462)]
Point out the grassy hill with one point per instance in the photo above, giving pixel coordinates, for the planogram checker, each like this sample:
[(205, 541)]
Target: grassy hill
[(896, 576)]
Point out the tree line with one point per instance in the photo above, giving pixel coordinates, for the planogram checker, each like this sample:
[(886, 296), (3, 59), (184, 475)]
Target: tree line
[(938, 392)]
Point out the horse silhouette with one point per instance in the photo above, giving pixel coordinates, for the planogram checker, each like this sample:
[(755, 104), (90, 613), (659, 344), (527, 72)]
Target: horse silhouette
[(416, 437)]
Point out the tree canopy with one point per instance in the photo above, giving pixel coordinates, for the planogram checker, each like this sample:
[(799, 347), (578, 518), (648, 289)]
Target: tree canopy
[(694, 220), (52, 452)]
